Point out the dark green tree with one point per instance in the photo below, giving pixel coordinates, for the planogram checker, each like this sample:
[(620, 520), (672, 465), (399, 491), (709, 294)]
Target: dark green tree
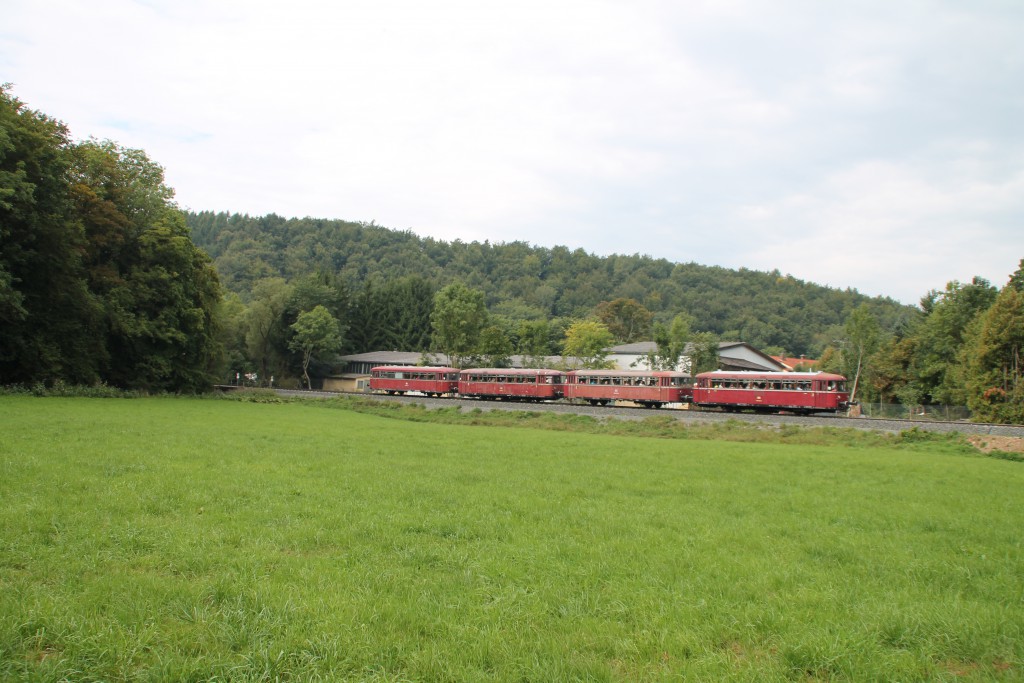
[(992, 356), (99, 280), (51, 323), (264, 326), (495, 348), (627, 319), (159, 292), (1017, 278), (940, 336)]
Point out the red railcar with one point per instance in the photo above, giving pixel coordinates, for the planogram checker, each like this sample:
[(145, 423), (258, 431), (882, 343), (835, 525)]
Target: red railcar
[(400, 379), (512, 384), (799, 392), (651, 389)]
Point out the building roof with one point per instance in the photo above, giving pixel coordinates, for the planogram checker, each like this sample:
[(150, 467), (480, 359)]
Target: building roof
[(791, 363), (730, 363), (637, 348), (727, 360), (393, 358)]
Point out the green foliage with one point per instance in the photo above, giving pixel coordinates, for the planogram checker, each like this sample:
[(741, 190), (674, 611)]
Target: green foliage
[(495, 349), (394, 315), (1017, 278), (50, 321), (99, 280), (61, 388), (702, 351), (862, 339), (315, 332), (263, 322), (671, 343), (992, 360), (940, 336), (458, 319), (587, 343), (534, 283), (536, 342), (962, 347), (627, 319)]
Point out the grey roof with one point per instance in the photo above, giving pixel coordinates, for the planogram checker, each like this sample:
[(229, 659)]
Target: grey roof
[(517, 361), (639, 348), (730, 363), (392, 357), (649, 346)]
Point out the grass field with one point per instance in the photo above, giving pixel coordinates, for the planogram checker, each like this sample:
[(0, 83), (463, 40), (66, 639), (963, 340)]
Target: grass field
[(188, 539)]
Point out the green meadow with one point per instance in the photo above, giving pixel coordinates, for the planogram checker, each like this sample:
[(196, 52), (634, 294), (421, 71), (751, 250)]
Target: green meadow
[(174, 539)]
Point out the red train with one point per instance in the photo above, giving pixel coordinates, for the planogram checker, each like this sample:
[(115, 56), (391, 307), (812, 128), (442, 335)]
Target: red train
[(651, 389), (799, 392), (400, 379), (512, 384)]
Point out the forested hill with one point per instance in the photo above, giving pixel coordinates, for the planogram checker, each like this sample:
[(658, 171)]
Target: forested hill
[(524, 282)]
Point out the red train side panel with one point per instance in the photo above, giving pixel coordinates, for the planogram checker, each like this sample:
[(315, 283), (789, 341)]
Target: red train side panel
[(400, 379), (512, 383), (648, 388), (803, 392)]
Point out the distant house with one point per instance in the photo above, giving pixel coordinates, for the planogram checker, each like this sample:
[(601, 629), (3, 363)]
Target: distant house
[(731, 356)]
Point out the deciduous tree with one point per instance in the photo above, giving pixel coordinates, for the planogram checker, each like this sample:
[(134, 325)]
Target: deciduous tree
[(671, 343), (862, 339), (535, 342), (495, 348), (265, 330), (992, 356), (703, 353), (458, 318), (316, 332), (587, 343), (627, 319)]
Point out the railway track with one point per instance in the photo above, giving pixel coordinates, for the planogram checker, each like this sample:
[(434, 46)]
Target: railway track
[(627, 412)]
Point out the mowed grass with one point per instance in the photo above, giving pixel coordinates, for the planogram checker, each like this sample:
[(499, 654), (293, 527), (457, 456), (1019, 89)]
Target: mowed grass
[(185, 539)]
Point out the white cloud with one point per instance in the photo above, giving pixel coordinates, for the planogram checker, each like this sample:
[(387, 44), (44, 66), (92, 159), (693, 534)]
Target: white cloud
[(732, 133)]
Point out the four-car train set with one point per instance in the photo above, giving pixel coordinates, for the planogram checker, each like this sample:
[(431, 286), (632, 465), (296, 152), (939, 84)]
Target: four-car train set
[(797, 392)]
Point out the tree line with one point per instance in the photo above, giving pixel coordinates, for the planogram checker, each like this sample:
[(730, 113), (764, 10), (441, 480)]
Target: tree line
[(961, 346), (520, 282), (100, 281), (104, 279)]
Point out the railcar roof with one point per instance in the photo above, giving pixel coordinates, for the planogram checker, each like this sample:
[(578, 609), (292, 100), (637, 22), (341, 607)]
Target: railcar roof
[(629, 373), (511, 371), (412, 368), (747, 374)]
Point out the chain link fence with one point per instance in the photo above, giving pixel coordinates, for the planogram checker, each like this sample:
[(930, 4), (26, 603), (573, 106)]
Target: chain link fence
[(924, 413)]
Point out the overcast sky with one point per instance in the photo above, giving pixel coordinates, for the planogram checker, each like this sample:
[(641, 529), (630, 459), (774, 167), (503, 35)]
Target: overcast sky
[(871, 145)]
